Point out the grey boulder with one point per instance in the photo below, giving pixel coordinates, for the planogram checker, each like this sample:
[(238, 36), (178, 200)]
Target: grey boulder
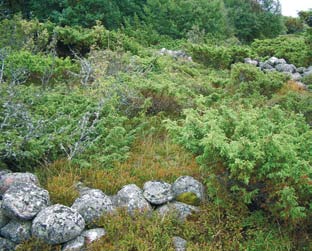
[(296, 76), (76, 244), (157, 192), (24, 201), (179, 243), (6, 245), (301, 70), (179, 209), (9, 179), (17, 231), (92, 205), (57, 224), (131, 197), (92, 235), (266, 66), (187, 184), (286, 68)]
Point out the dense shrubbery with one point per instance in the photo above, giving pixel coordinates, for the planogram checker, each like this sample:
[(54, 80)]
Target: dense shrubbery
[(219, 57), (264, 154), (43, 126), (291, 48)]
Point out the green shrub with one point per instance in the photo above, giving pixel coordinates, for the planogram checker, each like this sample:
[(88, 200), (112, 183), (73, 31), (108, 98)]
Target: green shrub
[(218, 56), (45, 125), (249, 80), (264, 155), (37, 67), (292, 48)]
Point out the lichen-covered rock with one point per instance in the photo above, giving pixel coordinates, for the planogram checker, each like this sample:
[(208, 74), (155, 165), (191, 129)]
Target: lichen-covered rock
[(181, 210), (131, 197), (9, 179), (76, 244), (286, 68), (57, 224), (185, 186), (24, 201), (6, 245), (92, 235), (92, 205), (157, 192), (3, 218), (17, 231), (179, 243)]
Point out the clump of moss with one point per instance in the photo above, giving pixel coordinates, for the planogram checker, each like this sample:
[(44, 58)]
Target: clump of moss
[(188, 198)]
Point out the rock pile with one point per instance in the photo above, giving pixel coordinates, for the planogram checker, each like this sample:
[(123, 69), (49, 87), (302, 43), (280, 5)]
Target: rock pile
[(175, 54), (280, 65), (26, 211)]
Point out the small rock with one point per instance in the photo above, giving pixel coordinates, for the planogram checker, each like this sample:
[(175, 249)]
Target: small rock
[(251, 61), (307, 73), (17, 231), (179, 244), (3, 218), (157, 192), (272, 61), (131, 197), (286, 68), (24, 201), (187, 184), (266, 66), (182, 210), (296, 76), (9, 179), (301, 70), (76, 244), (281, 61), (92, 205), (57, 224), (93, 234), (6, 245)]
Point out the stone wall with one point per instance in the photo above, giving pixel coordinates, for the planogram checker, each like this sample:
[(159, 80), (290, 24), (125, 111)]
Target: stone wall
[(26, 211)]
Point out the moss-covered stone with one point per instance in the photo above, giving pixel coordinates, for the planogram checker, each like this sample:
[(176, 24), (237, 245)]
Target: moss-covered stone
[(188, 198)]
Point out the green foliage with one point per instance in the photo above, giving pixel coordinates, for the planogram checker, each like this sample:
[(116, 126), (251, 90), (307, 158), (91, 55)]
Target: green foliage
[(248, 80), (43, 126), (291, 48), (37, 67), (255, 19), (293, 25), (263, 154), (218, 56)]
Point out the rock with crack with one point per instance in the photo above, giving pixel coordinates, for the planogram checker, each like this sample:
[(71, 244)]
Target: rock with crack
[(57, 224)]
